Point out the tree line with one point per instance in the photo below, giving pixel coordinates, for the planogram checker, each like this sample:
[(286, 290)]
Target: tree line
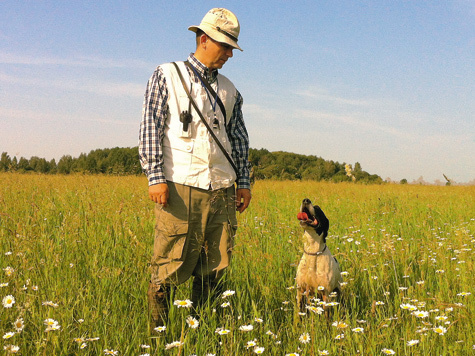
[(125, 161)]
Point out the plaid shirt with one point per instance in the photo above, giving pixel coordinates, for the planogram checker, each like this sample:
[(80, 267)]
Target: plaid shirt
[(155, 111)]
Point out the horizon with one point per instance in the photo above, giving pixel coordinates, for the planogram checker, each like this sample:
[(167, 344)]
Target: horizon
[(387, 84)]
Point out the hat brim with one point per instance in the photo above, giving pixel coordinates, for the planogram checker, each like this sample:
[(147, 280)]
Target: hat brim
[(215, 35)]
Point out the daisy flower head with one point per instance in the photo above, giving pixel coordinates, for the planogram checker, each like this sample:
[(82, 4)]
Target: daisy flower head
[(440, 330), (412, 342), (183, 303), (111, 352), (340, 337), (246, 327), (251, 343), (3, 284), (228, 293), (292, 354), (192, 322), (173, 345), (323, 352), (19, 324), (304, 338), (13, 349), (221, 331), (225, 305), (8, 301), (259, 350), (388, 352), (316, 310), (358, 330), (160, 329), (8, 335), (409, 307), (9, 271), (340, 324), (420, 313)]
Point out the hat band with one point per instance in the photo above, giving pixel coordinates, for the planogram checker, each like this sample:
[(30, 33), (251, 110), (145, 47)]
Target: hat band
[(226, 34)]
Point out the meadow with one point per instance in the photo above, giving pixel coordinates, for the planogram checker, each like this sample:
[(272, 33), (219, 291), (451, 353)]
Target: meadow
[(74, 255)]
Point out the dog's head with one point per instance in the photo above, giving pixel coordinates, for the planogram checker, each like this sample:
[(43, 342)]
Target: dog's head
[(311, 216)]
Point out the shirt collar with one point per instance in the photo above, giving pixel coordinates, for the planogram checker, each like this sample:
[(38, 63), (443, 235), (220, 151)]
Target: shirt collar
[(209, 75)]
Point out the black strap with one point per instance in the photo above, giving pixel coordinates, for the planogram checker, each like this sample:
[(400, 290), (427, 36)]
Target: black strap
[(220, 145), (210, 89)]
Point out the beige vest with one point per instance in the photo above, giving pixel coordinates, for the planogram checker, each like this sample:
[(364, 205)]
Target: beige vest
[(192, 157)]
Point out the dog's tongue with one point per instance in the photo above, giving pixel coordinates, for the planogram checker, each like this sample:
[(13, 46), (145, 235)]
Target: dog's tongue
[(302, 216)]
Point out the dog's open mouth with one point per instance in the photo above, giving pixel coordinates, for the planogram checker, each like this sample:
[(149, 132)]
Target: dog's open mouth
[(306, 217)]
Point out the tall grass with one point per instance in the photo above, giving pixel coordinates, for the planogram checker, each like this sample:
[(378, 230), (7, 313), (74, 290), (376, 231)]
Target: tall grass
[(83, 243)]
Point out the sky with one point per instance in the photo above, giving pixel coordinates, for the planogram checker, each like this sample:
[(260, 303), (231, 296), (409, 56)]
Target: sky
[(388, 84)]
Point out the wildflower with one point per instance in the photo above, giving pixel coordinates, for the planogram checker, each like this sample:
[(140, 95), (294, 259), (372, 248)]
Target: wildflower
[(8, 335), (192, 322), (258, 320), (19, 324), (304, 338), (340, 337), (83, 346), (292, 354), (358, 330), (145, 346), (228, 293), (251, 343), (408, 307), (3, 284), (221, 331), (111, 352), (379, 303), (420, 313), (412, 342), (51, 324), (344, 273), (420, 282), (9, 271), (321, 288), (183, 303), (8, 301), (11, 348), (173, 344), (464, 294), (160, 329), (440, 330), (225, 305), (259, 350), (402, 288), (323, 352), (317, 310), (35, 288), (388, 352), (340, 324), (246, 327)]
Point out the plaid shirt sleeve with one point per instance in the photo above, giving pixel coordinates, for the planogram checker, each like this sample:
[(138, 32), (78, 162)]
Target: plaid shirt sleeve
[(154, 113), (239, 139)]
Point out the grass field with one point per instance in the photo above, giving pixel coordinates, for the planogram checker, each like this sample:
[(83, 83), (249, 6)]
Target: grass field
[(74, 256)]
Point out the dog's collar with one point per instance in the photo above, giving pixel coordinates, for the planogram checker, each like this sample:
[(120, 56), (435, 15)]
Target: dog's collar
[(315, 253)]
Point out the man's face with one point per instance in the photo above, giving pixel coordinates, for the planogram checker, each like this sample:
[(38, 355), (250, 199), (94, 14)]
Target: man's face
[(217, 53)]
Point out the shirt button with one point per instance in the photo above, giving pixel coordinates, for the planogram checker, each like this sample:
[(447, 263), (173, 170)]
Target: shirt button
[(188, 148)]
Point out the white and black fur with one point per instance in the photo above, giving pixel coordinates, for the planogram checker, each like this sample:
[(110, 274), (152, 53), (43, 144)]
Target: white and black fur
[(317, 267)]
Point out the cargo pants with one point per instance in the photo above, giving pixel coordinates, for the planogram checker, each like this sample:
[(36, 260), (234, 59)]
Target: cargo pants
[(194, 235)]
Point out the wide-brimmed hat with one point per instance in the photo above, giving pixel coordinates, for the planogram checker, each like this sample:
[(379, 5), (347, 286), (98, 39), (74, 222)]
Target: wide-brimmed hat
[(221, 25)]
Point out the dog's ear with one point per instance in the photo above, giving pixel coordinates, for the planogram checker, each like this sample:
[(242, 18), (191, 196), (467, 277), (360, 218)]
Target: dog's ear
[(323, 223)]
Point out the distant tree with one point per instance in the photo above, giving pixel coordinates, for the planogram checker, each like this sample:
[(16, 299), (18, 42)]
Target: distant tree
[(403, 181), (5, 162)]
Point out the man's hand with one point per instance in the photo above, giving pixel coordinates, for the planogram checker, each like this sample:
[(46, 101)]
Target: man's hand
[(243, 198), (159, 193)]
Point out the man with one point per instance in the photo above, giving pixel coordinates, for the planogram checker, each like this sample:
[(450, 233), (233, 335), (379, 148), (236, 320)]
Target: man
[(196, 180)]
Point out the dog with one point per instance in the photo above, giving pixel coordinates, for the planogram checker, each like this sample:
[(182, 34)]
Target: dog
[(318, 273)]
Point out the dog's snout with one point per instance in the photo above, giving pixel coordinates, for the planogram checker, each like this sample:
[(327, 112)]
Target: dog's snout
[(306, 201)]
